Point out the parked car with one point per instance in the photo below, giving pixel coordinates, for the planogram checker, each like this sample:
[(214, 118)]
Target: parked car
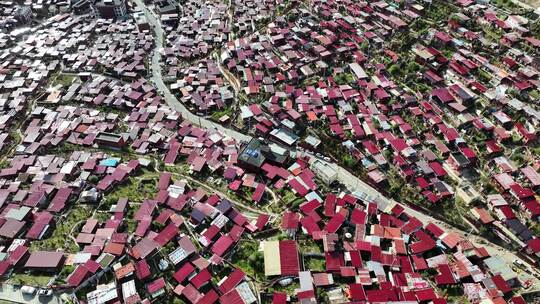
[(519, 264), (45, 292), (28, 290)]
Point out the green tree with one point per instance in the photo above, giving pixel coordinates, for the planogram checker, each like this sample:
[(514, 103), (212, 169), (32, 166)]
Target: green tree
[(93, 179)]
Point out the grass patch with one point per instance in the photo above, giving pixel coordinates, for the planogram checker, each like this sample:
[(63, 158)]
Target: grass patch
[(134, 189), (309, 246), (64, 80), (29, 279), (60, 237), (315, 264), (289, 199), (218, 114), (247, 257), (453, 213)]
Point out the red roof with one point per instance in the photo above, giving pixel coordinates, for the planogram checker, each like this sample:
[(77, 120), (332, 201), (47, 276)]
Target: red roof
[(262, 220), (60, 199), (358, 217), (425, 244), (45, 259), (518, 300), (443, 95), (330, 204), (422, 183), (310, 225), (155, 285), (357, 292), (334, 260), (279, 298), (222, 244), (232, 297), (288, 255), (165, 235), (445, 276), (92, 266), (419, 263), (425, 294), (534, 245), (76, 277), (382, 295), (521, 192), (142, 269), (232, 280), (181, 274), (298, 187), (290, 220), (4, 267), (437, 168), (209, 298), (308, 207), (501, 284), (201, 278), (335, 223), (258, 193)]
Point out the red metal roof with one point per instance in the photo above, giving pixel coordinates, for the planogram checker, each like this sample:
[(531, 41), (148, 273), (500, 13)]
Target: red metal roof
[(445, 276), (258, 193), (288, 254), (4, 267), (60, 199), (201, 278), (209, 298), (501, 284), (155, 285), (434, 229), (181, 274), (167, 234), (232, 297), (261, 221), (279, 298), (425, 294), (222, 244), (232, 280), (290, 220), (335, 223), (77, 276)]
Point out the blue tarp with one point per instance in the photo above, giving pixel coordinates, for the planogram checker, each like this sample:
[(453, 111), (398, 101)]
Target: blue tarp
[(109, 162)]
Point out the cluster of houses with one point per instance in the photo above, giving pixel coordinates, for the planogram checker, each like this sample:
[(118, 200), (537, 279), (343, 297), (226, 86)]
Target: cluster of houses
[(16, 15), (249, 14), (10, 17), (148, 260), (193, 29), (380, 253), (30, 69), (39, 189), (77, 85), (36, 191), (202, 87), (315, 69), (87, 44)]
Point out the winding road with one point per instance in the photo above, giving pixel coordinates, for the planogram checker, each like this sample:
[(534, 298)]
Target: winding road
[(170, 99), (351, 182)]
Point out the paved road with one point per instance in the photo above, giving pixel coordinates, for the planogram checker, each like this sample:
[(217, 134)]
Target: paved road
[(350, 181), (171, 100), (12, 294)]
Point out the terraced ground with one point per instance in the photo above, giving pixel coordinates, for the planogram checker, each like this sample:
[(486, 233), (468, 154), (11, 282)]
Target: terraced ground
[(535, 3)]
